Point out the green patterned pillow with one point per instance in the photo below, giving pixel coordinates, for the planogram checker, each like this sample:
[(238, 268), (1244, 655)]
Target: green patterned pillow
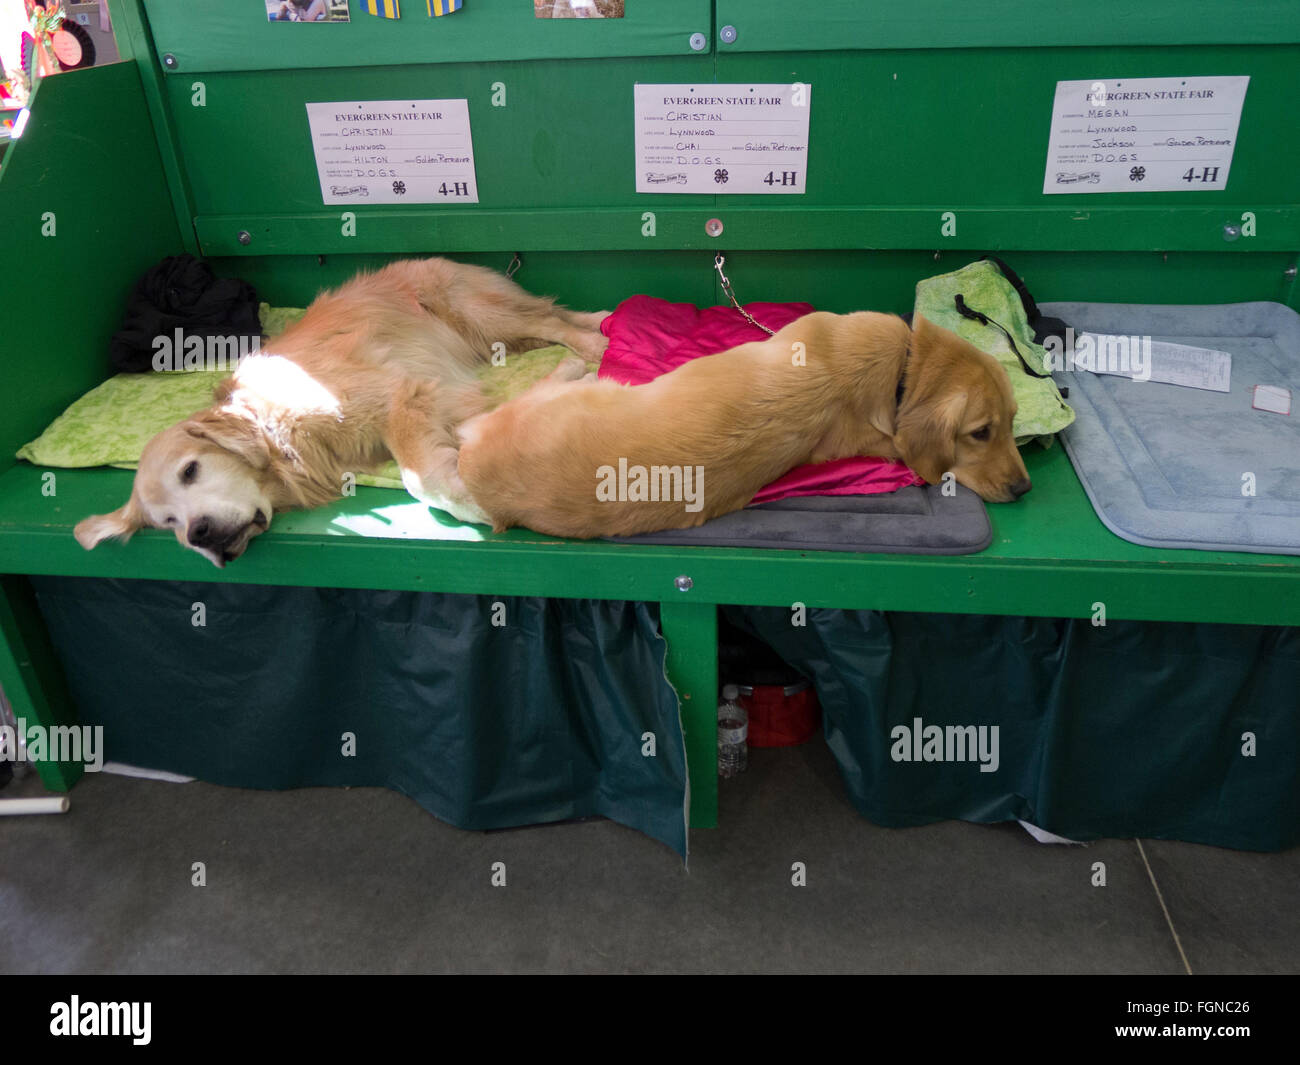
[(1042, 411), (111, 423)]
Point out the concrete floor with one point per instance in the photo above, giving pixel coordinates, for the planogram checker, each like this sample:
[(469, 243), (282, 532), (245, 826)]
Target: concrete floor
[(334, 880)]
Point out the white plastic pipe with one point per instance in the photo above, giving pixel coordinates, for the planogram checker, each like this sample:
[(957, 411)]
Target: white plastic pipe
[(54, 804)]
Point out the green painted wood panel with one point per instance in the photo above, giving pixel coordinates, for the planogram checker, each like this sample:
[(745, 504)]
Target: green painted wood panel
[(780, 25), (836, 280), (970, 128), (235, 35), (590, 281), (87, 170), (895, 143), (401, 230), (31, 677), (845, 281), (564, 138)]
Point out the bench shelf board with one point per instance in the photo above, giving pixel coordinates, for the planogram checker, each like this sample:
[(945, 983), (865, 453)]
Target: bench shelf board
[(1050, 557)]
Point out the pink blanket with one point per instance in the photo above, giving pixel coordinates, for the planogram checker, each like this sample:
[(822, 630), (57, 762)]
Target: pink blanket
[(649, 337)]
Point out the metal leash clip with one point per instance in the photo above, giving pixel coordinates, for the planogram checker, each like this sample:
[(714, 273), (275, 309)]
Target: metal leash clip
[(718, 260)]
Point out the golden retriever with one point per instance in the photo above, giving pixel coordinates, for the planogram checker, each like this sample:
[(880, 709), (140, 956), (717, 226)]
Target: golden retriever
[(596, 458), (383, 366)]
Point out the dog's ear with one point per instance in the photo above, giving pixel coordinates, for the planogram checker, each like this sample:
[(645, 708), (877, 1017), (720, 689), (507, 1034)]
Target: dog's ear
[(119, 525), (234, 433), (927, 435), (924, 329)]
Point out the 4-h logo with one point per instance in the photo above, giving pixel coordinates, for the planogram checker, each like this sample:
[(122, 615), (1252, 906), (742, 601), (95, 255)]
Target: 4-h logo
[(1137, 173), (399, 188), (720, 176)]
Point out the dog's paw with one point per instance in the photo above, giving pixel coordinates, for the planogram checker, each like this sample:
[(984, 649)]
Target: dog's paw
[(570, 368), (592, 347)]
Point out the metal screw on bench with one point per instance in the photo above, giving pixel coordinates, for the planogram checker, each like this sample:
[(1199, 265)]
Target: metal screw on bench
[(169, 61), (698, 42), (1289, 272), (1231, 232), (727, 35), (684, 583), (245, 237), (713, 227)]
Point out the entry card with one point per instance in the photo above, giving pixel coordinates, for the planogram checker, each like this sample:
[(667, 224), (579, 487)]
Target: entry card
[(394, 151), (1143, 134), (713, 139)]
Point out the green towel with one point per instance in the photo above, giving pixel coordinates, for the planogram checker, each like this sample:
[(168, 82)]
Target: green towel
[(111, 423), (1042, 412)]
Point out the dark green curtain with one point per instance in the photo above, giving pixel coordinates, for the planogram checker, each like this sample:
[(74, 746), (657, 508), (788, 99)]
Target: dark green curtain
[(537, 718), (1124, 730)]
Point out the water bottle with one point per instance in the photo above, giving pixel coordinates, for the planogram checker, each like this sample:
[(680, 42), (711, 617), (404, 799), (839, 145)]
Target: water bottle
[(733, 733)]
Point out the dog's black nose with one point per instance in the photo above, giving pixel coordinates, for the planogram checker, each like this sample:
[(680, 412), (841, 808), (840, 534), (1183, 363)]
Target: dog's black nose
[(200, 532), (1020, 487)]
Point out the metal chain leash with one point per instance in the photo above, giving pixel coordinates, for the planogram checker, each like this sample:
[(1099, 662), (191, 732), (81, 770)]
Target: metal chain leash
[(718, 261)]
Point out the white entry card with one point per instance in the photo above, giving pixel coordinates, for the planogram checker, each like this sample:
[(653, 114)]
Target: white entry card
[(722, 138), (394, 151), (1143, 134)]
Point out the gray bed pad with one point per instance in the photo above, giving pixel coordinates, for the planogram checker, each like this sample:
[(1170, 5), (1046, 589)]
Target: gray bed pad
[(913, 521), (1165, 465)]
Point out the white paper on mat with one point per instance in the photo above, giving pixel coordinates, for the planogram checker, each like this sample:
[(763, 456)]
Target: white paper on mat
[(1272, 398), (1162, 361)]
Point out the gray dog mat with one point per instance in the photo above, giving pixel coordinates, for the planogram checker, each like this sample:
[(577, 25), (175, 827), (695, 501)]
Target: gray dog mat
[(913, 521), (1173, 466)]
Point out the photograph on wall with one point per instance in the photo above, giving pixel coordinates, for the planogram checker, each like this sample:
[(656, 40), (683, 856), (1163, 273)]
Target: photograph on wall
[(308, 10), (578, 8)]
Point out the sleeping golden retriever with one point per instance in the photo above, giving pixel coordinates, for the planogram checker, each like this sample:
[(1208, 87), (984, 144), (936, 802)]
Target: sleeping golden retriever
[(596, 458), (383, 366)]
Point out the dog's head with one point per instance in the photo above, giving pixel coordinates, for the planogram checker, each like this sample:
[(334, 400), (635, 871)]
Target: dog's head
[(205, 479), (956, 416)]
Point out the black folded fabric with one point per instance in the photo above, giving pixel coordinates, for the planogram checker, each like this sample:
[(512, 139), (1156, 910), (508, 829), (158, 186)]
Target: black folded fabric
[(181, 293)]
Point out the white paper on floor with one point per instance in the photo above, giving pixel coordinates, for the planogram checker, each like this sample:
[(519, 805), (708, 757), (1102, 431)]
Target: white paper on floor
[(1043, 836), (124, 770)]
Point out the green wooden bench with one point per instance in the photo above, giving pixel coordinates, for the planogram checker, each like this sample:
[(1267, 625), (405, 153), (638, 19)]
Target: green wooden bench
[(118, 167)]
